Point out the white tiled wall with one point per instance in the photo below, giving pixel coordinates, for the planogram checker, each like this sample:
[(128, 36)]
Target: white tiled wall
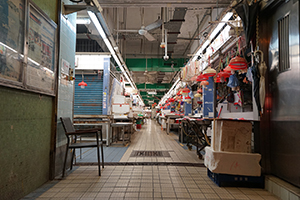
[(281, 189), (66, 88)]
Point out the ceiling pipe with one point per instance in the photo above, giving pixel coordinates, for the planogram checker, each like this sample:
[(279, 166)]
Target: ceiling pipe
[(207, 13)]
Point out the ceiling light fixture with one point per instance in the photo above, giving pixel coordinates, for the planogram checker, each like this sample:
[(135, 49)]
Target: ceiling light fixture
[(109, 46), (83, 21), (213, 34)]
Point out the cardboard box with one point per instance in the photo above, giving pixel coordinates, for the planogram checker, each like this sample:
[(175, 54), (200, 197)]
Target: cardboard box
[(120, 108), (232, 136), (119, 99), (246, 164)]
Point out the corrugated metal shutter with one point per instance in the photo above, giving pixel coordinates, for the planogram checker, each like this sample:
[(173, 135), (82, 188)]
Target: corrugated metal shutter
[(88, 101)]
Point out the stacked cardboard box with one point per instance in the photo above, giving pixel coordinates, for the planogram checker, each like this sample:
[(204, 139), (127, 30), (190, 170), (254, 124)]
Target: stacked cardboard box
[(230, 151), (232, 136)]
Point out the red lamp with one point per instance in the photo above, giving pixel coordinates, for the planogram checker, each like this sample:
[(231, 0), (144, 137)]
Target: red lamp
[(238, 63), (188, 99), (185, 91), (218, 80), (224, 74), (227, 69), (201, 77), (82, 84), (171, 100), (209, 72)]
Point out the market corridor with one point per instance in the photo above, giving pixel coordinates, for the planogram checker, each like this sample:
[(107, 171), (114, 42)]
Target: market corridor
[(176, 174)]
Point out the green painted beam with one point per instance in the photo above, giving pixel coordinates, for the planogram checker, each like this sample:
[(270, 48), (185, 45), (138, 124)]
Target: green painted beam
[(155, 64), (158, 93), (156, 86)]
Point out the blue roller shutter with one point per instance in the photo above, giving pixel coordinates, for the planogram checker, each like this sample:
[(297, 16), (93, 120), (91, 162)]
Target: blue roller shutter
[(88, 101)]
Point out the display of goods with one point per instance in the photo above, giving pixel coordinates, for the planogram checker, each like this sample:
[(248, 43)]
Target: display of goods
[(238, 63), (209, 72), (202, 78)]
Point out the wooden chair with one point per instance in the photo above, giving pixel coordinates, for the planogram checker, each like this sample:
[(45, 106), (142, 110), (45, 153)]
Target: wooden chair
[(72, 142)]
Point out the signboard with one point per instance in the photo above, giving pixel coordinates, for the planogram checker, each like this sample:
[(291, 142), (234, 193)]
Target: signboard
[(41, 51), (12, 15), (36, 70)]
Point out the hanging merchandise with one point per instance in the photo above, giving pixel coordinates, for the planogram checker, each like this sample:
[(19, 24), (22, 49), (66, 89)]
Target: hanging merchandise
[(201, 77), (233, 81), (238, 63), (249, 74), (238, 100), (261, 65), (188, 99), (255, 75), (209, 72), (225, 74), (171, 100), (185, 92)]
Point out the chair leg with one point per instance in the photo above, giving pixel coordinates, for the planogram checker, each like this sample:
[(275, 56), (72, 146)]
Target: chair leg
[(102, 155), (65, 162), (73, 155), (98, 154)]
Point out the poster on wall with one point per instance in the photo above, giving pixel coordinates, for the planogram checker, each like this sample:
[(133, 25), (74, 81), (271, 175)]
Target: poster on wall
[(12, 15), (40, 72)]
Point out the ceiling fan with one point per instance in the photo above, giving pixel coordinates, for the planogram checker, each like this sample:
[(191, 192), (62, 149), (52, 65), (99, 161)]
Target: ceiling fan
[(144, 29)]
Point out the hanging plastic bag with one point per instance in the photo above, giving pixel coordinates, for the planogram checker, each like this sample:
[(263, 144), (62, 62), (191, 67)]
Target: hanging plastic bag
[(249, 74), (233, 81), (238, 98)]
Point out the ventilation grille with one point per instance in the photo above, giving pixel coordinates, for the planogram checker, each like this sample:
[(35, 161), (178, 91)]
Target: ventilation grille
[(283, 36), (150, 154)]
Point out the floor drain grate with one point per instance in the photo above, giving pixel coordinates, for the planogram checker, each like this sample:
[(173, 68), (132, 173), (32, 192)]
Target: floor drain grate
[(150, 154)]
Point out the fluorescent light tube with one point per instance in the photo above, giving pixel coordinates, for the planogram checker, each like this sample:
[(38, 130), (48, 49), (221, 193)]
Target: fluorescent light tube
[(83, 21)]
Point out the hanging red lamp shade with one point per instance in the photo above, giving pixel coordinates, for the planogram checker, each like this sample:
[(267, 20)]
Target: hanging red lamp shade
[(227, 69), (218, 80), (82, 84), (238, 63), (201, 77), (185, 91), (209, 72), (224, 74), (178, 97), (205, 83), (171, 100), (187, 99)]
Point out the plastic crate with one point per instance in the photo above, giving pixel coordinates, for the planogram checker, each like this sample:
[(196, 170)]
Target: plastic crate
[(228, 180)]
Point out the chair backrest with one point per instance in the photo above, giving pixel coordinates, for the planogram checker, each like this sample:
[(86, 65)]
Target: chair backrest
[(67, 124)]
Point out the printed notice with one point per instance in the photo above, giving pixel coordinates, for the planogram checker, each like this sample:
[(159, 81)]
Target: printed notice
[(41, 52), (11, 39)]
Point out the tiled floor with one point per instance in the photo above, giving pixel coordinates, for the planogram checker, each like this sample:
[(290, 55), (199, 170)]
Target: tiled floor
[(145, 182)]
